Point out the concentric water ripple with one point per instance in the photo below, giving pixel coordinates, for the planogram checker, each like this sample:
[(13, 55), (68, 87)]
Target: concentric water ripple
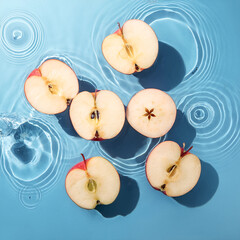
[(170, 21), (200, 29), (32, 153), (21, 36), (214, 113), (30, 197)]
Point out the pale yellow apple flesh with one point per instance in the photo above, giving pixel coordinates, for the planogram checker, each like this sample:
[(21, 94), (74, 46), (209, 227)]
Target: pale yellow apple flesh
[(53, 90), (171, 173), (97, 116), (151, 112), (99, 184), (133, 48)]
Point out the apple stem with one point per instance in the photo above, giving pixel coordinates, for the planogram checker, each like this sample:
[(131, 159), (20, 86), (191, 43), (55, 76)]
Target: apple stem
[(120, 28), (128, 47), (95, 96), (85, 163), (185, 152), (124, 40)]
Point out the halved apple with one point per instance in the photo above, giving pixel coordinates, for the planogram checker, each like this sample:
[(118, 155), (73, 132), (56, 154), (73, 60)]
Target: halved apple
[(51, 87), (132, 48), (151, 112), (93, 181), (97, 116), (172, 170)]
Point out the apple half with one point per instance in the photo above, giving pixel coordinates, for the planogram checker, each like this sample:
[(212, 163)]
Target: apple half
[(51, 87), (132, 48), (97, 116), (91, 182), (151, 112), (172, 170)]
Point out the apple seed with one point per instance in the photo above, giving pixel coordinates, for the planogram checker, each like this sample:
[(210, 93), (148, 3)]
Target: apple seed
[(92, 186), (137, 67), (68, 100), (52, 88), (97, 134), (162, 188), (129, 50), (172, 170), (95, 114)]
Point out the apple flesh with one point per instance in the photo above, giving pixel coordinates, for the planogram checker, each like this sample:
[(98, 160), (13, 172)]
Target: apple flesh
[(97, 116), (172, 170), (51, 87), (91, 182), (151, 112), (132, 48)]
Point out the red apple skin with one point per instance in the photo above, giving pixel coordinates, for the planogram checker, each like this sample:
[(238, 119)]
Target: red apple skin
[(97, 139), (81, 165), (182, 152), (35, 72), (118, 32)]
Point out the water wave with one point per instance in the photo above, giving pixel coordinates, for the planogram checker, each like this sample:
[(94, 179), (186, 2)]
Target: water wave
[(192, 20), (214, 112), (31, 152)]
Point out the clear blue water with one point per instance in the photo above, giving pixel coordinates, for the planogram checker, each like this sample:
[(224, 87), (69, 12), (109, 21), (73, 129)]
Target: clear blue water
[(198, 65)]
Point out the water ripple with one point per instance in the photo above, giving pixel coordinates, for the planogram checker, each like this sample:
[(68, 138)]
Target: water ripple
[(30, 197), (21, 36), (170, 21), (89, 80), (126, 154), (213, 112), (31, 152)]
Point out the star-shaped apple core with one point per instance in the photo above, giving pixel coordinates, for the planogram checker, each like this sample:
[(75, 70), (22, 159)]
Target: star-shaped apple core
[(149, 113)]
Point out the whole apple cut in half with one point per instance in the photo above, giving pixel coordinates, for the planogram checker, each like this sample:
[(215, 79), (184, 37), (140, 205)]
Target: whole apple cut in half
[(97, 116), (172, 170), (151, 112), (51, 87), (132, 48), (91, 182)]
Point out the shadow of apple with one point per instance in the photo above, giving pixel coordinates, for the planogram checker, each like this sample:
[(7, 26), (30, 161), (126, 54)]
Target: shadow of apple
[(64, 117), (125, 202), (167, 71), (204, 190)]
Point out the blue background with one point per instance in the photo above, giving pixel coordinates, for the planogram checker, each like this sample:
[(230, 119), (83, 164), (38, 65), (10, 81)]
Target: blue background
[(198, 65)]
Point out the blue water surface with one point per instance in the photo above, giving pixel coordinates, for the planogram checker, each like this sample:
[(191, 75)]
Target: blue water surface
[(198, 66)]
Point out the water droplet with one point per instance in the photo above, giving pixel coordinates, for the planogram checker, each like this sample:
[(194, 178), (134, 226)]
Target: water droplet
[(199, 114), (17, 34), (30, 197)]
